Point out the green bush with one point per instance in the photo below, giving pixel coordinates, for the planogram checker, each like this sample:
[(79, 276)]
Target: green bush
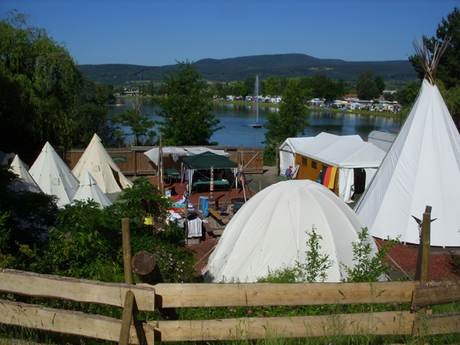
[(368, 267), (314, 269)]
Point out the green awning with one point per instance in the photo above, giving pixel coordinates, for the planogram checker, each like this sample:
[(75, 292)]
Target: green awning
[(206, 160)]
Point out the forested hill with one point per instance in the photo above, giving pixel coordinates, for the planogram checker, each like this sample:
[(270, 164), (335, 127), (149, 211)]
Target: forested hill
[(239, 68)]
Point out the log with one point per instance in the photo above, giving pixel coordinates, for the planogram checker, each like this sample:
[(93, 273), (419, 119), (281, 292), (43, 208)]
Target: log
[(68, 322), (78, 290), (439, 293), (266, 294), (383, 323), (437, 324)]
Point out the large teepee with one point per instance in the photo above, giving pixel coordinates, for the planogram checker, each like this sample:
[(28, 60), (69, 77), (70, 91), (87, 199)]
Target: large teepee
[(97, 161), (25, 181), (270, 232), (53, 176), (422, 168), (89, 190)]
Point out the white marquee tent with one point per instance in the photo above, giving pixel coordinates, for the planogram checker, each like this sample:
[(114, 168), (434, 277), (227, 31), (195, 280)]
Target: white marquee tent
[(90, 190), (25, 181), (270, 232), (53, 176), (422, 168), (180, 151), (382, 140), (344, 152), (98, 162)]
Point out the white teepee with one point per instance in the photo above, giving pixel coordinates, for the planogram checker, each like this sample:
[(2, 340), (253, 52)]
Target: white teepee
[(270, 232), (53, 176), (422, 168), (98, 162), (25, 181), (90, 190)]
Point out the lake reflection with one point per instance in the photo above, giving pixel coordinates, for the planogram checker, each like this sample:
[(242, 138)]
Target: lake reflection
[(236, 119)]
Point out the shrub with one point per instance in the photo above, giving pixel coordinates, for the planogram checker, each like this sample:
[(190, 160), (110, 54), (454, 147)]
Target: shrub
[(312, 270), (140, 200), (369, 266)]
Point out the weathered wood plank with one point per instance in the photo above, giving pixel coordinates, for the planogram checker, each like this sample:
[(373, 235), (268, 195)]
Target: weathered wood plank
[(439, 293), (215, 295), (383, 323), (88, 291), (127, 319), (64, 321), (437, 324)]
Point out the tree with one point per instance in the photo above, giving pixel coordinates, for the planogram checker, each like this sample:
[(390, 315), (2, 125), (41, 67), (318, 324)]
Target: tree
[(274, 85), (325, 87), (448, 72), (368, 86), (380, 82), (186, 108), (449, 65), (407, 95), (44, 96), (289, 121), (140, 124)]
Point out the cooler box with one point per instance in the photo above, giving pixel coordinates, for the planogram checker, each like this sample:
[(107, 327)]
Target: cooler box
[(204, 204)]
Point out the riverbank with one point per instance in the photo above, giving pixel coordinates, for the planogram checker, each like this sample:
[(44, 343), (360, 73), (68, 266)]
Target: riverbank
[(319, 109)]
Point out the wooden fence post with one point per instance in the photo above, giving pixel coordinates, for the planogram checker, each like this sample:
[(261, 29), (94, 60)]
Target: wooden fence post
[(423, 258), (130, 307), (422, 273), (126, 239)]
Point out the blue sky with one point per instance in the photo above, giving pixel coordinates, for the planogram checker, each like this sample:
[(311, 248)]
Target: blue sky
[(162, 32)]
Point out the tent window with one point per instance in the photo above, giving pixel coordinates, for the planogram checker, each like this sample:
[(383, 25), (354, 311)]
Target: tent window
[(304, 161), (313, 164)]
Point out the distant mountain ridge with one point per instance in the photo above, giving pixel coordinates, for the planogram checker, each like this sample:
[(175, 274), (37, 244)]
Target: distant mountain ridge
[(239, 68)]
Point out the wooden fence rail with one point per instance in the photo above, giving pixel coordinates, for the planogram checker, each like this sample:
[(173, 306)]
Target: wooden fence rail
[(150, 297), (131, 298)]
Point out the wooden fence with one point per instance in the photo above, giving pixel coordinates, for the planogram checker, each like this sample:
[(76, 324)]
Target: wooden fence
[(132, 161), (149, 298), (416, 320)]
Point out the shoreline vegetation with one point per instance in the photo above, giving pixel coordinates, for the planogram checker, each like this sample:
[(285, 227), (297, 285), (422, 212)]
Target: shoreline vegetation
[(402, 114)]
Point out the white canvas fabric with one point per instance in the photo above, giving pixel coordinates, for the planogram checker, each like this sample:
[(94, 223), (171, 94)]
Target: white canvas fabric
[(422, 168), (98, 162), (270, 232), (179, 151), (25, 181), (345, 152), (383, 140), (89, 190), (53, 176)]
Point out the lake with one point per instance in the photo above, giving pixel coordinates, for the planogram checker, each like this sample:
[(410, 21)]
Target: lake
[(236, 119)]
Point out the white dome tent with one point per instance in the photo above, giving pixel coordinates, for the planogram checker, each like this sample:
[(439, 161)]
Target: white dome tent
[(98, 162), (53, 176), (25, 181), (89, 190), (270, 232)]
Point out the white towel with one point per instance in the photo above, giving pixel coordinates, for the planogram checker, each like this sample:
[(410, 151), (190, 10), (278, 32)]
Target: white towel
[(194, 228)]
